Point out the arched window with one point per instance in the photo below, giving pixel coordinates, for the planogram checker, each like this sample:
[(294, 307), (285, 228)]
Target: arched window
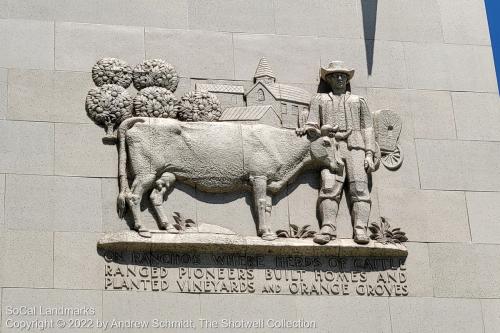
[(260, 95)]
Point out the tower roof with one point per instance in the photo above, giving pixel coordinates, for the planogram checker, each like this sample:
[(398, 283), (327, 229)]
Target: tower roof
[(263, 69)]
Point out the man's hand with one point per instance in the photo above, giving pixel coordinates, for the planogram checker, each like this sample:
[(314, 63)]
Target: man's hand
[(300, 131), (369, 164)]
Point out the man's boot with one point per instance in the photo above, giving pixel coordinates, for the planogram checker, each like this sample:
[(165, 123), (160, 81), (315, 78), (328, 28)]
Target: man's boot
[(328, 209), (361, 215)]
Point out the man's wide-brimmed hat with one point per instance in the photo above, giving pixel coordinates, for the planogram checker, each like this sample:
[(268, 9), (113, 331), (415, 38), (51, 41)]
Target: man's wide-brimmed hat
[(336, 67)]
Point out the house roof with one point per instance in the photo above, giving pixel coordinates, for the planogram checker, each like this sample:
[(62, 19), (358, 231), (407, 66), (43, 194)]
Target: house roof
[(246, 112), (283, 92), (263, 69), (220, 88), (289, 93)]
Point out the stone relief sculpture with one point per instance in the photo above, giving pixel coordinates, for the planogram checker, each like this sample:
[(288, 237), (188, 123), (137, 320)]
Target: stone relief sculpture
[(163, 139), (388, 126), (155, 102), (112, 71), (155, 73), (208, 156), (383, 233), (109, 103), (350, 122), (268, 102), (199, 106)]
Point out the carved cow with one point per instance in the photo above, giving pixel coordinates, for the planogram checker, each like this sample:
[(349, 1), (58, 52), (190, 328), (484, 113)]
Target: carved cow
[(214, 157)]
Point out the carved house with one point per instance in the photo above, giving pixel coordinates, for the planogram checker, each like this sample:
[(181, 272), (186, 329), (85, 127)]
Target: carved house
[(228, 95), (288, 101), (289, 104), (263, 114)]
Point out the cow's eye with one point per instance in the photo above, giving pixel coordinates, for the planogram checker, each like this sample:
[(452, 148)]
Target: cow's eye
[(327, 143)]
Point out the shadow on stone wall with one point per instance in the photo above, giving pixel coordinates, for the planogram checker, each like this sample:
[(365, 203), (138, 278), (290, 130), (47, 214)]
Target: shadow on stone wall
[(369, 12)]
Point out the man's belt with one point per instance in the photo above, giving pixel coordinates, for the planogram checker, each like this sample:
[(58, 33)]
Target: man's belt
[(333, 132)]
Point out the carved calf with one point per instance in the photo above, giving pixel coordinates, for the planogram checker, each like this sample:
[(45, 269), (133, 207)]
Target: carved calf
[(214, 157)]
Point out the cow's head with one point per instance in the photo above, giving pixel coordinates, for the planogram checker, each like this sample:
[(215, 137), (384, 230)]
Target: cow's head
[(324, 149)]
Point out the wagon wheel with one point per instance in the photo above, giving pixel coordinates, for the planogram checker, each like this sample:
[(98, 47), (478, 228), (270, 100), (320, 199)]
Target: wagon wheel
[(394, 159)]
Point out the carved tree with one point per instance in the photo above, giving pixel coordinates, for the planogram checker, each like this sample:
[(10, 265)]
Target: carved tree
[(155, 102), (199, 106), (108, 106), (112, 71), (155, 73)]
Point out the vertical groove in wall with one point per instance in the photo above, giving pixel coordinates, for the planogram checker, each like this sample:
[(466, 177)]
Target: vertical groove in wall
[(274, 17), (468, 216), (102, 305), (4, 202), (53, 259), (414, 141), (390, 313), (54, 24), (1, 305), (450, 93), (144, 41), (102, 205), (482, 314), (7, 95), (430, 269), (234, 59), (403, 44), (54, 149)]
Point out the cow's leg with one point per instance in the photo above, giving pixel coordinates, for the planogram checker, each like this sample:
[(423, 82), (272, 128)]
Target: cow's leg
[(141, 184), (158, 196), (263, 207)]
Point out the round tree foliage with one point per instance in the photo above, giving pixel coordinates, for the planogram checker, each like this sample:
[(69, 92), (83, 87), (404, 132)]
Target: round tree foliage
[(108, 105), (112, 71), (199, 106), (155, 72), (155, 102)]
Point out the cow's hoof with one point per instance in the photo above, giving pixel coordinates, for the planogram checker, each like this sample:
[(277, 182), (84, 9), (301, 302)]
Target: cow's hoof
[(269, 236), (322, 239)]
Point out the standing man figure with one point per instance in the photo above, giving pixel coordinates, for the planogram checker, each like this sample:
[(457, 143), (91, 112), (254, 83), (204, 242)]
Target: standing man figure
[(351, 123)]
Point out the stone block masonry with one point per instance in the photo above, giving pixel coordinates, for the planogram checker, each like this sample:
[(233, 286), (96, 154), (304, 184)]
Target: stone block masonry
[(430, 60)]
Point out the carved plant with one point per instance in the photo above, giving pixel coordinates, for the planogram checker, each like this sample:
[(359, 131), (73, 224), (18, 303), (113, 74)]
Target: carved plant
[(112, 71), (108, 106), (296, 232), (199, 106), (155, 102), (155, 72), (382, 233), (182, 223)]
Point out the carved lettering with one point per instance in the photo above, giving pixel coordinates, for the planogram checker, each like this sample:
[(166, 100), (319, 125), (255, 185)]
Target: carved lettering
[(237, 274)]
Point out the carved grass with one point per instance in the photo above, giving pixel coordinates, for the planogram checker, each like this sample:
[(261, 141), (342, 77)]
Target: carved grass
[(382, 232), (296, 232)]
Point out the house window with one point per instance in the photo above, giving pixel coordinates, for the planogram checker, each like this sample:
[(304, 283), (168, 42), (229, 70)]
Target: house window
[(260, 95), (295, 110), (283, 108)]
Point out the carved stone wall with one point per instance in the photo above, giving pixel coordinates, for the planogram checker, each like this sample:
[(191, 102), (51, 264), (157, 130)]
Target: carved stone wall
[(430, 60)]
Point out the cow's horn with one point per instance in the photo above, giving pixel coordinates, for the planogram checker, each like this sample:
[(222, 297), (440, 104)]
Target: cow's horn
[(327, 130)]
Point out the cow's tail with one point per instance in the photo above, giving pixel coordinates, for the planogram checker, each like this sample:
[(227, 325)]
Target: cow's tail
[(121, 204)]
